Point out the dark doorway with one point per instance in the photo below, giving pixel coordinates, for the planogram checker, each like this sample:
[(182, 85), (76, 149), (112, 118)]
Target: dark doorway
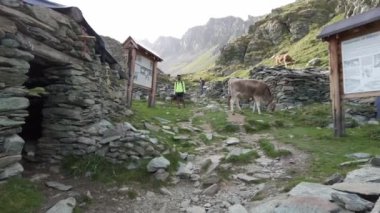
[(32, 129)]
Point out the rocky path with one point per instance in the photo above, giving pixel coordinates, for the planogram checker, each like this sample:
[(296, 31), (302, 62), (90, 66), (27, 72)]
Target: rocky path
[(204, 182)]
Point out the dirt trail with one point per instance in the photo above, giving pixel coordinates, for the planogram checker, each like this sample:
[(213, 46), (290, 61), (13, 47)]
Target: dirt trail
[(186, 192)]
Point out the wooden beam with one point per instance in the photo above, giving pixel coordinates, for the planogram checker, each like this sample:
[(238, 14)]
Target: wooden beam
[(362, 95), (153, 91), (336, 87), (360, 31), (131, 68)]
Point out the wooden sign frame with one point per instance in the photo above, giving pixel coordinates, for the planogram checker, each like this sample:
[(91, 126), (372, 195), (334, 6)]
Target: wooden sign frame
[(335, 34), (133, 49)]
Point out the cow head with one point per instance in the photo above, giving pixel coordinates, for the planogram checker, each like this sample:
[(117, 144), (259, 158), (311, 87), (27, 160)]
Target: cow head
[(271, 106)]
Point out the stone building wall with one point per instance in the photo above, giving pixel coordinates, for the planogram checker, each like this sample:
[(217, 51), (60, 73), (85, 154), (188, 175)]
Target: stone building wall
[(295, 87), (56, 97), (291, 87)]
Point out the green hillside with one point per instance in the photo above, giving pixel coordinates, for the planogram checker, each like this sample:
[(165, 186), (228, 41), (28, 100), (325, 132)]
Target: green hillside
[(291, 29), (203, 62)]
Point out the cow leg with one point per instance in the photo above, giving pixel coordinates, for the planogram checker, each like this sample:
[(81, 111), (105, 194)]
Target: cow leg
[(254, 106), (238, 104), (257, 101), (232, 101), (229, 102), (258, 107)]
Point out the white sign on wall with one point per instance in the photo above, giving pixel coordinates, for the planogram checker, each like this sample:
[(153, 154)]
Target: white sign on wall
[(361, 64), (143, 71)]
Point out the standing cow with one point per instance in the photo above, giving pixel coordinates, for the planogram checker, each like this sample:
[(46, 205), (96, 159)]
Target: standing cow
[(256, 90), (283, 59)]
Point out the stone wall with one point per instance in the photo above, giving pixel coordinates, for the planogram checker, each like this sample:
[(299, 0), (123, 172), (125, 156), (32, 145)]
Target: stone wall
[(295, 87), (43, 57), (291, 87)]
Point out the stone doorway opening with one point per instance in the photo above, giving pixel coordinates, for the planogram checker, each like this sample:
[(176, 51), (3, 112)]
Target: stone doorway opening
[(32, 129)]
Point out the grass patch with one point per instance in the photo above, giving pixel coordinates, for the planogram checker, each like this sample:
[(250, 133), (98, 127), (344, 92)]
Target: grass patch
[(205, 140), (219, 123), (167, 112), (270, 150), (230, 128), (327, 151), (254, 125), (174, 158), (101, 170), (20, 195), (314, 115), (243, 158), (132, 194), (224, 174), (198, 120), (305, 129)]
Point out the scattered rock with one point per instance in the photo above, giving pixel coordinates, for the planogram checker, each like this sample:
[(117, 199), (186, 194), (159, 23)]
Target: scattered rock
[(359, 155), (237, 208), (359, 188), (246, 178), (11, 171), (301, 204), (366, 174), (335, 178), (63, 206), (58, 186), (352, 202), (195, 209), (232, 141), (157, 163), (375, 161), (211, 190), (313, 189)]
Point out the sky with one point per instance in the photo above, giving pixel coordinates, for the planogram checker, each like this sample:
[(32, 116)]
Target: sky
[(149, 19)]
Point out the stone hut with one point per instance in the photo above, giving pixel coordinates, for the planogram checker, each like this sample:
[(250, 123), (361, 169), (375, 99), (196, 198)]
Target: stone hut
[(60, 89)]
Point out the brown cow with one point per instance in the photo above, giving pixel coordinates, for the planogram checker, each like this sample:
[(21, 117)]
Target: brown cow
[(250, 89), (283, 59)]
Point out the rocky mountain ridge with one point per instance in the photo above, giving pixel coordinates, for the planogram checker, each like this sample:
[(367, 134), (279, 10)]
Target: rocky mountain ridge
[(293, 29), (178, 53)]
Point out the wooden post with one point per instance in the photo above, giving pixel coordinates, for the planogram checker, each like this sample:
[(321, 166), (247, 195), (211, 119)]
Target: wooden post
[(152, 96), (131, 68), (335, 87)]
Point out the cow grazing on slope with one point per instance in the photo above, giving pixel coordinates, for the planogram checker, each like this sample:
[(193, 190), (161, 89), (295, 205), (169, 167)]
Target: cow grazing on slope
[(256, 90), (283, 59)]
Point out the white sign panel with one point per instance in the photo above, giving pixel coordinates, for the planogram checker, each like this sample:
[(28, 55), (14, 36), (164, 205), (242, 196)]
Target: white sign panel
[(361, 64), (143, 71)]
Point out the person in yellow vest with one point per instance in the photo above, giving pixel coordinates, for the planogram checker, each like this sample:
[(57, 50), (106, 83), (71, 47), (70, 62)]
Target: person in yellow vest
[(179, 90)]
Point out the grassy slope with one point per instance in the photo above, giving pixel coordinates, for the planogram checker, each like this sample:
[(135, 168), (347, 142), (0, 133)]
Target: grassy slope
[(203, 62), (307, 48), (302, 51)]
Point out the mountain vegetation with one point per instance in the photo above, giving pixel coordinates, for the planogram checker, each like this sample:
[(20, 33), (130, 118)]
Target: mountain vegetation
[(222, 47)]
